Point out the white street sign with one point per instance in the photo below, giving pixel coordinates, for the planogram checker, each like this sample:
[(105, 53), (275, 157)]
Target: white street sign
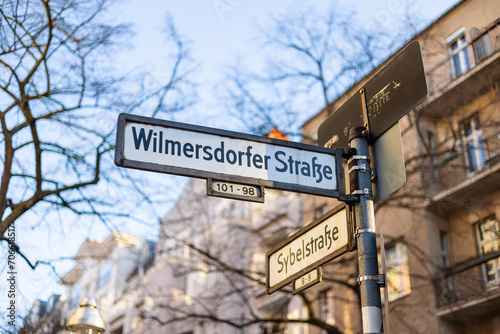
[(235, 191), (319, 242), (307, 280), (184, 149)]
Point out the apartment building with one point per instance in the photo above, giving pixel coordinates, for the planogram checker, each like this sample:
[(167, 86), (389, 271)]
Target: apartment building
[(209, 265), (442, 235), (45, 316), (104, 271)]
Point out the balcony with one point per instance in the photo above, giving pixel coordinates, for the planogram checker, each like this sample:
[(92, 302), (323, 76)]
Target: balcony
[(460, 178), (463, 290), (466, 72)]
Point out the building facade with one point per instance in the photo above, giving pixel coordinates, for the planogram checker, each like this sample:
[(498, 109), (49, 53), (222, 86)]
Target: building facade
[(104, 271), (208, 275), (441, 230), (45, 316)]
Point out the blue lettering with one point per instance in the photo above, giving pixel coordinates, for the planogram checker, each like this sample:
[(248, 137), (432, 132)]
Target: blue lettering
[(306, 169), (161, 142), (233, 160), (316, 168), (173, 146), (257, 161), (290, 161), (141, 138), (198, 147), (249, 154), (284, 168), (188, 150), (327, 172), (208, 154), (219, 153)]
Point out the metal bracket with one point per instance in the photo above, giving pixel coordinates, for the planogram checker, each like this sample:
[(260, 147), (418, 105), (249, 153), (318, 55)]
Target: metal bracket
[(380, 279), (362, 168), (365, 192), (359, 231), (350, 199), (359, 157)]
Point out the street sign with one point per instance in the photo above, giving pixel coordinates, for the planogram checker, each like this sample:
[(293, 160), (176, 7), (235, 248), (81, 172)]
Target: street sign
[(232, 190), (307, 280), (388, 96), (317, 243), (184, 149), (388, 161)]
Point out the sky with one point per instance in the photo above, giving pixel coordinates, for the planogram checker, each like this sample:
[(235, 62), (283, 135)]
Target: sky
[(219, 32)]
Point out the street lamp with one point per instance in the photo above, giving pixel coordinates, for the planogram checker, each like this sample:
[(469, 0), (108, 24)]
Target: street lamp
[(86, 320)]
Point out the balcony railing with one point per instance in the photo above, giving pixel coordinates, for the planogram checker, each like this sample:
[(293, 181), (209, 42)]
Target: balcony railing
[(453, 168), (464, 57), (471, 285), (492, 150)]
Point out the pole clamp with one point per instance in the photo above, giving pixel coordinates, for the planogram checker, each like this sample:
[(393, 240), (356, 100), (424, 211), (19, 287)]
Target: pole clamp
[(359, 157), (359, 231), (362, 168), (380, 279), (365, 192)]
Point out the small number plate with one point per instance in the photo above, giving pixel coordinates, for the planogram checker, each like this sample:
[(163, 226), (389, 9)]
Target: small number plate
[(307, 280), (246, 192)]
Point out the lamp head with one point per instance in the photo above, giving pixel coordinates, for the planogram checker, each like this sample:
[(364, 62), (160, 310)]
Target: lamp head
[(86, 319)]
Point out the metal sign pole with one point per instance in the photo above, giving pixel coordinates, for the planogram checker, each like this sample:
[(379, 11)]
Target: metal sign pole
[(369, 278)]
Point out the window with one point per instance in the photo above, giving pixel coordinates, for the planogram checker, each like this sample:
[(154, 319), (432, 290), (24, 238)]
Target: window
[(180, 251), (75, 296), (326, 300), (258, 265), (197, 280), (319, 211), (457, 51), (445, 256), (489, 241), (297, 311), (398, 275), (480, 45), (176, 250), (225, 209), (432, 152), (473, 141), (119, 330), (104, 272), (208, 327)]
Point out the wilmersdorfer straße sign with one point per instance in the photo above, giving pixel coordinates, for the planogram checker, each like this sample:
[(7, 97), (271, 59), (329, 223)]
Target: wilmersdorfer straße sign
[(184, 149)]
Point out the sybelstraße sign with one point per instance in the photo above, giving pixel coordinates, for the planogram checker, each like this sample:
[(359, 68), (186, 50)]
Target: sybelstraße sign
[(319, 242), (189, 150)]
